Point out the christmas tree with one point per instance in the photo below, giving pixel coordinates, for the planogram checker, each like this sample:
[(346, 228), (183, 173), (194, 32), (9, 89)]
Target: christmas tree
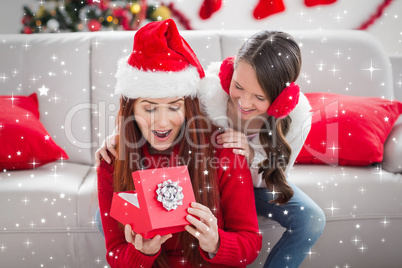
[(55, 16)]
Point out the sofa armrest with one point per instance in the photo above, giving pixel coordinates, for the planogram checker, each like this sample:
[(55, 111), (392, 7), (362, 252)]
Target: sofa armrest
[(393, 150)]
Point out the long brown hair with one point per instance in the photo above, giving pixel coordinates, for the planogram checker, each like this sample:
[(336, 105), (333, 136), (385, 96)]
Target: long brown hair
[(195, 142), (276, 59)]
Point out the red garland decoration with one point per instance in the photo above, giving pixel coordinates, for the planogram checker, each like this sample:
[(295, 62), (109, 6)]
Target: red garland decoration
[(182, 18), (376, 15)]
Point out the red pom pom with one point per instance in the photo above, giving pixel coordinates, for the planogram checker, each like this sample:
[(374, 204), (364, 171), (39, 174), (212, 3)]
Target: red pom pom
[(284, 104), (226, 73)]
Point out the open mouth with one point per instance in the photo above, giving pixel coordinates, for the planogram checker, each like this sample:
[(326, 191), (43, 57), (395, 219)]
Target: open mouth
[(161, 134)]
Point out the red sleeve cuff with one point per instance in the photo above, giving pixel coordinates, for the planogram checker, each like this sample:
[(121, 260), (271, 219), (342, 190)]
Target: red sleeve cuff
[(228, 251)]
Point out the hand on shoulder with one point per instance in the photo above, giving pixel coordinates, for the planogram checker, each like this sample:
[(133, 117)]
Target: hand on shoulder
[(237, 141), (108, 146)]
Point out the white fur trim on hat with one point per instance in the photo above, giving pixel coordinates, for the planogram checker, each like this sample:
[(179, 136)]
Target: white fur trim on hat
[(134, 83), (213, 99)]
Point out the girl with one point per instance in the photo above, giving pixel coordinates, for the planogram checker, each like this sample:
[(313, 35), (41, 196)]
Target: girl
[(159, 124), (268, 120)]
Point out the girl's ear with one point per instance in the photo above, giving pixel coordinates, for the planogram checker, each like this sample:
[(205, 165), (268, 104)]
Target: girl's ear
[(226, 73)]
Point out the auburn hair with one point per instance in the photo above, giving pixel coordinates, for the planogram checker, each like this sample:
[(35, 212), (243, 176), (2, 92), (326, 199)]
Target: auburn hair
[(193, 144), (276, 59)]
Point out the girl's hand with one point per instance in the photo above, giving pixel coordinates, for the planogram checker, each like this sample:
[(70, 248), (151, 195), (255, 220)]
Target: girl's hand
[(206, 229), (108, 144), (145, 246), (237, 140)]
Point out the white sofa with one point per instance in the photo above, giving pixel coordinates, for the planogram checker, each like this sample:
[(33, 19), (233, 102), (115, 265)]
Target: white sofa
[(47, 214)]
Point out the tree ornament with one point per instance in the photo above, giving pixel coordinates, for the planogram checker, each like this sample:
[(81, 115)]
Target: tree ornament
[(266, 8), (53, 25), (41, 12), (94, 25), (209, 7), (161, 13), (26, 19), (135, 8), (27, 30)]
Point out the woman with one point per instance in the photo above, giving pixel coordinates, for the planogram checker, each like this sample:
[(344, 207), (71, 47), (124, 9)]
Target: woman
[(158, 125), (254, 96)]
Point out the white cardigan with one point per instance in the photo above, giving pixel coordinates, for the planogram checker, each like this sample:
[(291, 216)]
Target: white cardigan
[(213, 101)]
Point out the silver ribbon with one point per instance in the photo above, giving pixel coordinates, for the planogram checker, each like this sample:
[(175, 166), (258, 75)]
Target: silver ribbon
[(169, 194)]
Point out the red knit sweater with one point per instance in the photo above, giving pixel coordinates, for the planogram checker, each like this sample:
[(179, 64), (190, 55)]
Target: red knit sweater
[(240, 241)]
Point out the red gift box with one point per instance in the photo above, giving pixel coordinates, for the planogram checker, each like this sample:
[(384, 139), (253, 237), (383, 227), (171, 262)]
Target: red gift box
[(159, 204)]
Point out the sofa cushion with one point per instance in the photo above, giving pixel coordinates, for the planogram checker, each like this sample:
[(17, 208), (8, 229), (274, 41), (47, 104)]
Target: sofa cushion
[(88, 201), (348, 130), (347, 192), (42, 200), (393, 150), (24, 141)]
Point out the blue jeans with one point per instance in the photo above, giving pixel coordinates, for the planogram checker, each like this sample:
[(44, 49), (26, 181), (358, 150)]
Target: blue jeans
[(304, 222), (98, 221)]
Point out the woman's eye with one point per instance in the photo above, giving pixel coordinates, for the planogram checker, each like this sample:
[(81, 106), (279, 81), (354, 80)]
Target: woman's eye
[(174, 109), (149, 110), (238, 87), (260, 98)]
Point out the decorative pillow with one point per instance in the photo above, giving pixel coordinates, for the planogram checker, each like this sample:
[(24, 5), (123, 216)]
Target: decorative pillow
[(348, 130), (24, 142)]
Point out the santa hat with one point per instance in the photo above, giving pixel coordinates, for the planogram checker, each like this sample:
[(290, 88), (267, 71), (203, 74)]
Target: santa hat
[(162, 65)]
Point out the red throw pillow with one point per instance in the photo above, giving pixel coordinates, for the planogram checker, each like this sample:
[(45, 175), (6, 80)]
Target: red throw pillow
[(348, 130), (24, 142)]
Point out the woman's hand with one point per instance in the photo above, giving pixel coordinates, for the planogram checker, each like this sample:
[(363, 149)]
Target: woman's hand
[(206, 228), (108, 144), (145, 246), (238, 141)]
